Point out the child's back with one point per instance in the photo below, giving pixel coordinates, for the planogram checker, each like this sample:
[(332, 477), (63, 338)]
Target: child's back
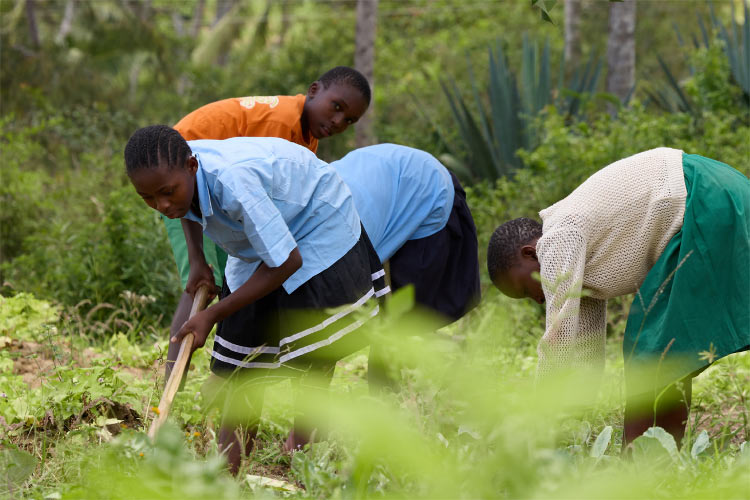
[(317, 215), (415, 213), (255, 116), (401, 193)]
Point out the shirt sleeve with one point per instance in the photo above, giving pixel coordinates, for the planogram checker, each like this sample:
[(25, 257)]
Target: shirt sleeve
[(245, 200), (576, 324)]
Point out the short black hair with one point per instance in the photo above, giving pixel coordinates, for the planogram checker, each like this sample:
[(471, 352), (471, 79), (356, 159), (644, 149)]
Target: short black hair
[(344, 75), (502, 250), (149, 147)]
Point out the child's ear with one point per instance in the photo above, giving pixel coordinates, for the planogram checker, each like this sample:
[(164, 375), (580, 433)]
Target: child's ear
[(192, 164), (313, 89), (529, 251)]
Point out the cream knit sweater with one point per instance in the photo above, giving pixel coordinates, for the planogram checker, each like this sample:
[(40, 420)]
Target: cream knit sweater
[(604, 237)]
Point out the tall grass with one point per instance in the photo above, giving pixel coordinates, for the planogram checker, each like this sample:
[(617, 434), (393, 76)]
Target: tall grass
[(466, 422)]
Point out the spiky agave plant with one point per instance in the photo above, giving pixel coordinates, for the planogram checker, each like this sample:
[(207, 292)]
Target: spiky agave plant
[(507, 106), (736, 48)]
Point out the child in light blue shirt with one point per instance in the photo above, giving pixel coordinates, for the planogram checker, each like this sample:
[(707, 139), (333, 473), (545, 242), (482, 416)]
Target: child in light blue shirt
[(297, 249), (273, 196), (415, 213), (400, 193)]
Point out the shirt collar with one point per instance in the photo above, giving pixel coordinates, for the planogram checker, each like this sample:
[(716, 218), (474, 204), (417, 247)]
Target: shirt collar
[(204, 196)]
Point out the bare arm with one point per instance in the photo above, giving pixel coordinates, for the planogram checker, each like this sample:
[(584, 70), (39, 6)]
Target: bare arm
[(261, 283), (200, 271)]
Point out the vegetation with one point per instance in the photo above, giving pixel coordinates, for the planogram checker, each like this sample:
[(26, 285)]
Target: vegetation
[(89, 284)]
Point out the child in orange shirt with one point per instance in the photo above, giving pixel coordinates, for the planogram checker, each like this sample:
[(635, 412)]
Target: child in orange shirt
[(332, 103)]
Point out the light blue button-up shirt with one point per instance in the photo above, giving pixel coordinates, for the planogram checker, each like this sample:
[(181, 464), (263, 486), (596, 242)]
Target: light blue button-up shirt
[(261, 197), (401, 193)]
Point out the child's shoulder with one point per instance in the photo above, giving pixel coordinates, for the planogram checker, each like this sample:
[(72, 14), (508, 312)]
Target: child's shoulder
[(272, 105), (255, 108)]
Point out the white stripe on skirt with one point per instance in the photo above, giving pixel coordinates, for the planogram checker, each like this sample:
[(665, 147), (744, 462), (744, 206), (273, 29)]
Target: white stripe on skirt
[(329, 320), (299, 352), (243, 364), (246, 350), (330, 340)]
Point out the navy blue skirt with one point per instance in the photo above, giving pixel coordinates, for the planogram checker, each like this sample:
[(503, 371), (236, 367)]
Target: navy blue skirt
[(443, 267), (318, 323)]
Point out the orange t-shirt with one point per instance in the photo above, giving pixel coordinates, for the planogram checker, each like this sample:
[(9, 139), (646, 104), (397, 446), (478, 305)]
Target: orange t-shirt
[(255, 116)]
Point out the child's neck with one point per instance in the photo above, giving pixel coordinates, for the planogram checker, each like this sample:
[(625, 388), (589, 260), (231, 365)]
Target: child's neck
[(304, 126)]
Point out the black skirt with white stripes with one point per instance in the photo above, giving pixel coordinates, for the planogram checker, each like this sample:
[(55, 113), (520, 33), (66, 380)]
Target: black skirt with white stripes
[(318, 323)]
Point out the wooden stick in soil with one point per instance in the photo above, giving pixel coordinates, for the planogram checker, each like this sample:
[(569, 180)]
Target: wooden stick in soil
[(170, 389)]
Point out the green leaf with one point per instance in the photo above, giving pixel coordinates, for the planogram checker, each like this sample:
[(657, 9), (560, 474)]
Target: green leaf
[(701, 443), (18, 466), (544, 7), (655, 444), (601, 443)]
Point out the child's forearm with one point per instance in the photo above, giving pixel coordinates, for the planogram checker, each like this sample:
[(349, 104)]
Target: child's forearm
[(261, 283), (194, 239)]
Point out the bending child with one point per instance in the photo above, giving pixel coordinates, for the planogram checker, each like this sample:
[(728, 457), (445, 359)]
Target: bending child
[(414, 211), (296, 248), (332, 103), (672, 226)]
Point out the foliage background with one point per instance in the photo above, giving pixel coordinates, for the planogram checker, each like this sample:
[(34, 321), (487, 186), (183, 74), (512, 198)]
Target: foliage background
[(74, 235)]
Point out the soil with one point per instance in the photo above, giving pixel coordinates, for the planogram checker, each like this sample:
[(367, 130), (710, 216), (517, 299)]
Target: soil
[(730, 420), (36, 362)]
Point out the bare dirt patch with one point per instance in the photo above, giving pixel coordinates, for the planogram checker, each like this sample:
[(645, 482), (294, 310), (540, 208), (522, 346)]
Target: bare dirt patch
[(36, 362), (732, 422)]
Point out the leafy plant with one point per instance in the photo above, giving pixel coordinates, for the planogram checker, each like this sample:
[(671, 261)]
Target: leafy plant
[(491, 141), (712, 88), (737, 49)]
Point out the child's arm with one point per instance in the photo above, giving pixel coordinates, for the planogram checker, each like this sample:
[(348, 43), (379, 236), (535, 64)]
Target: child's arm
[(261, 283), (200, 271), (576, 324)]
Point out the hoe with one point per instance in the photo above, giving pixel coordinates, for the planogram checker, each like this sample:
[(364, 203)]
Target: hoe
[(199, 302)]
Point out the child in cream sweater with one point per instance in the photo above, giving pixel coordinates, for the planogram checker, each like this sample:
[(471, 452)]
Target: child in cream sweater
[(673, 227)]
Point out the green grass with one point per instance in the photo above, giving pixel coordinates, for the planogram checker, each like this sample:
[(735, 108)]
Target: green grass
[(467, 421)]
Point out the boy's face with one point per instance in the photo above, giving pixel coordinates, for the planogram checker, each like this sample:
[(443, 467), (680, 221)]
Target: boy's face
[(521, 280), (169, 190), (331, 110)]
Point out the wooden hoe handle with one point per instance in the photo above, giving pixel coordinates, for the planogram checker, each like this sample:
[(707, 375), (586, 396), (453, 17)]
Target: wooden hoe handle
[(199, 303)]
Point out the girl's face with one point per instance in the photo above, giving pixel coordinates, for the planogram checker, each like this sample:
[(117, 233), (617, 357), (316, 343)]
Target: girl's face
[(169, 190)]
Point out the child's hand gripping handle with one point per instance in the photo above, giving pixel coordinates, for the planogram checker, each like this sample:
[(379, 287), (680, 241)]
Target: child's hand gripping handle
[(199, 303)]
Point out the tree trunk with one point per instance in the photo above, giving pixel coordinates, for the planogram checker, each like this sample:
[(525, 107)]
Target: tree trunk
[(178, 23), (222, 8), (364, 61), (286, 20), (31, 18), (572, 33), (621, 48), (198, 18), (67, 22)]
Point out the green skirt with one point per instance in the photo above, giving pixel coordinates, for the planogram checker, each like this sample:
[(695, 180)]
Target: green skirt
[(694, 305), (215, 256)]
